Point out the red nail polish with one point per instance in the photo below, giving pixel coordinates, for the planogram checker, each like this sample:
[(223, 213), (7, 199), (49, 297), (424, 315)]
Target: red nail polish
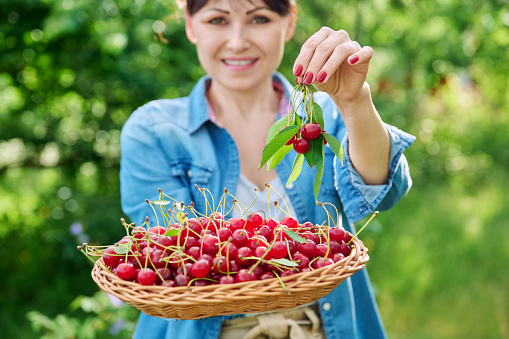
[(353, 59), (297, 80), (297, 70), (321, 76), (308, 78)]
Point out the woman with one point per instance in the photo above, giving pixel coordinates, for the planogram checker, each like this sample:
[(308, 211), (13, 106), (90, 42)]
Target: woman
[(214, 139)]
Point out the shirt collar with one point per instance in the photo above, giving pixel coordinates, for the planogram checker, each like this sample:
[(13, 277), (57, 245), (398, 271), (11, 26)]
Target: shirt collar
[(199, 112)]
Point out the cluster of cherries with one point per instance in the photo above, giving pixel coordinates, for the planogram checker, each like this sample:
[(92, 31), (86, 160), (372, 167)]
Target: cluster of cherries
[(309, 131), (212, 250)]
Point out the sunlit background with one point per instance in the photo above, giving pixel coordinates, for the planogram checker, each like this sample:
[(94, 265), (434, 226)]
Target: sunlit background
[(72, 71)]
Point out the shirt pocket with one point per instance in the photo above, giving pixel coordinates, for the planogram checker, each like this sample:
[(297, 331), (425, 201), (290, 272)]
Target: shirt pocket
[(191, 173)]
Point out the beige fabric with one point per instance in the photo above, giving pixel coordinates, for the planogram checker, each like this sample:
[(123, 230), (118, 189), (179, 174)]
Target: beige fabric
[(298, 323)]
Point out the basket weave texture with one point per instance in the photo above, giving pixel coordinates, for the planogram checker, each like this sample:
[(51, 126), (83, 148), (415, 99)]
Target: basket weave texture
[(249, 297)]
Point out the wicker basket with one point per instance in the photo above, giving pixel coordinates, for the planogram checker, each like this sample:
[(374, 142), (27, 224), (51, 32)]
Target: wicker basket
[(248, 297)]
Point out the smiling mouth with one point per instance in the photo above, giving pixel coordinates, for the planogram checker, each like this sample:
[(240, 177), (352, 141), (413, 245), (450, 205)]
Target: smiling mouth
[(239, 62)]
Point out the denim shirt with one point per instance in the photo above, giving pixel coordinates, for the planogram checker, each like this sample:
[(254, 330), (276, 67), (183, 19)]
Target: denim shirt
[(172, 144)]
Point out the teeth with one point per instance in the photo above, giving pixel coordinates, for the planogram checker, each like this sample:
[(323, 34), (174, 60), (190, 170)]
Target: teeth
[(238, 62)]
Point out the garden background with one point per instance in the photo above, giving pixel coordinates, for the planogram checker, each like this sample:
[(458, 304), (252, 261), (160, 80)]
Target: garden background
[(72, 71)]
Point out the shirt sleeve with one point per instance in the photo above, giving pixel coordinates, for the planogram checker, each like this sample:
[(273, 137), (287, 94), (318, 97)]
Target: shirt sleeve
[(359, 200), (145, 168)]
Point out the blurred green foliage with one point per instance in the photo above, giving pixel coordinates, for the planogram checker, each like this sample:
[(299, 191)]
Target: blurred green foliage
[(72, 71)]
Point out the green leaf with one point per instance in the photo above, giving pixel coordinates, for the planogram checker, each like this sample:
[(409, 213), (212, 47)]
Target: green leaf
[(122, 248), (319, 176), (172, 232), (276, 127), (314, 155), (296, 168), (277, 142), (161, 202), (284, 262), (318, 115), (278, 156), (294, 236), (335, 145)]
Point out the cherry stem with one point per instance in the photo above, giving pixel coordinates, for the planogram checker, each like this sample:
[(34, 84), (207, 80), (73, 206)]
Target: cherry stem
[(366, 224)]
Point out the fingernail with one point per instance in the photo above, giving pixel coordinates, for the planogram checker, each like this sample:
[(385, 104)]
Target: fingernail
[(321, 76), (297, 70), (353, 59), (308, 78), (297, 80)]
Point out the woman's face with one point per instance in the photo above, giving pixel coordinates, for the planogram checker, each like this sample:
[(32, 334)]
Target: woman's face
[(239, 43)]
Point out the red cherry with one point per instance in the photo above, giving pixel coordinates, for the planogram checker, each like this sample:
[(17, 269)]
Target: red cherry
[(344, 249), (111, 258), (211, 244), (194, 252), (279, 250), (158, 230), (336, 234), (256, 241), (290, 222), (260, 252), (226, 279), (184, 269), (146, 276), (219, 265), (244, 276), (311, 131), (266, 232), (126, 271), (271, 223), (139, 232), (240, 237), (200, 283), (168, 283), (337, 257), (200, 269), (321, 250), (301, 260), (231, 249), (322, 262), (194, 225), (207, 257), (224, 234), (254, 222), (182, 280), (308, 248), (164, 272), (242, 254), (164, 242), (301, 145), (258, 270), (236, 224), (267, 275)]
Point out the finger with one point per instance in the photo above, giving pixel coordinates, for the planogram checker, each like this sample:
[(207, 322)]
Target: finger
[(363, 56), (307, 50), (325, 68)]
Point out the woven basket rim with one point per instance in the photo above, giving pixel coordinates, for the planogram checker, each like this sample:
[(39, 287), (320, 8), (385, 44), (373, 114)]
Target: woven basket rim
[(176, 302)]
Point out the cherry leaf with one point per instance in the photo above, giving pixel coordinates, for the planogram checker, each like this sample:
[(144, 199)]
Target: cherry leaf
[(277, 142), (314, 155), (274, 129), (295, 236), (296, 168), (284, 262), (122, 248), (335, 145), (278, 156), (172, 232), (319, 176), (318, 115)]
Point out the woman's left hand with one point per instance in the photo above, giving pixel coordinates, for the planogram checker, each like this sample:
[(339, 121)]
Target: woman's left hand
[(334, 64)]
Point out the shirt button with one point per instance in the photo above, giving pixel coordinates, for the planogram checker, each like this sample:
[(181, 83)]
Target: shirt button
[(290, 186), (326, 306), (189, 173)]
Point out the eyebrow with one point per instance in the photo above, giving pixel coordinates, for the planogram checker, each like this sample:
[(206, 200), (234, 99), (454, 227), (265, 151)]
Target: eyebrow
[(227, 12)]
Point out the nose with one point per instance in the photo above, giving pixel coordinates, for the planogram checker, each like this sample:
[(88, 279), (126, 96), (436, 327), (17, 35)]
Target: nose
[(239, 38)]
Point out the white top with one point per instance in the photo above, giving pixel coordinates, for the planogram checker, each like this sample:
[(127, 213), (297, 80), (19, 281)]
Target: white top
[(246, 195)]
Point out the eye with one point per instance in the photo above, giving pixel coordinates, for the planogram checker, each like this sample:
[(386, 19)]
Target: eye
[(217, 21), (260, 19)]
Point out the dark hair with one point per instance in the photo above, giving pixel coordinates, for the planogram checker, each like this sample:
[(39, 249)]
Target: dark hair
[(281, 7)]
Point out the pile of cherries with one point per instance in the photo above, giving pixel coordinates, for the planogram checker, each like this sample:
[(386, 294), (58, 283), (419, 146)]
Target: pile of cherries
[(212, 250)]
